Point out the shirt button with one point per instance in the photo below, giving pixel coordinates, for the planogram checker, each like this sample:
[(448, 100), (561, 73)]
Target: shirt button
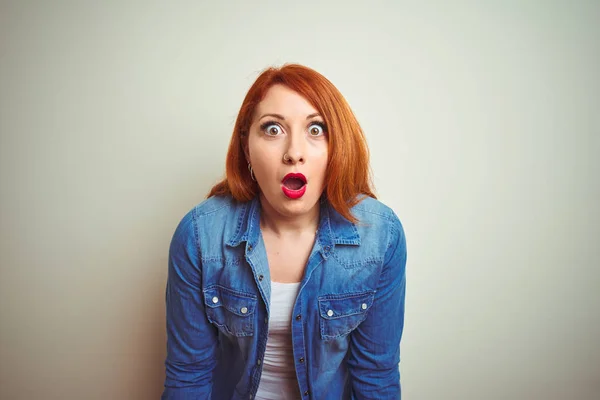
[(258, 362), (298, 317), (306, 393), (261, 277), (327, 248), (249, 247), (364, 306), (266, 320), (330, 313), (215, 299), (244, 310), (301, 359)]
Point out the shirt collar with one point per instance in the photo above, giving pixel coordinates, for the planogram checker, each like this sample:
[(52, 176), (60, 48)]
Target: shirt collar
[(333, 229)]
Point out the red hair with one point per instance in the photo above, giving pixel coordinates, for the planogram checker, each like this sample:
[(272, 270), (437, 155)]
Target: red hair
[(348, 176)]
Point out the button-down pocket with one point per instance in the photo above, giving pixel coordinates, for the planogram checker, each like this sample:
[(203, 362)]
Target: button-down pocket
[(230, 310), (342, 313)]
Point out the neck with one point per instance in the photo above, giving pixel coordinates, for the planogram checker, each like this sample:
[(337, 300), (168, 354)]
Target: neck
[(283, 225)]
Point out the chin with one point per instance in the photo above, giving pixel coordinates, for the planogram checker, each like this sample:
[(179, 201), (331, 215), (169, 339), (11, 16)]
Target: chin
[(298, 207), (292, 207)]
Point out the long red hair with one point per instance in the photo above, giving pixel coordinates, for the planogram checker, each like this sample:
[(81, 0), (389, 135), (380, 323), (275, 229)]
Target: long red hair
[(348, 177)]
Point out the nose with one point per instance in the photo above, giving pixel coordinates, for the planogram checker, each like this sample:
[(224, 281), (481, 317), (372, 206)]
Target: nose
[(295, 151)]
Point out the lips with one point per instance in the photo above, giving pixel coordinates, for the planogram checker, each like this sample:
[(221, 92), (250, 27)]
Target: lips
[(293, 185)]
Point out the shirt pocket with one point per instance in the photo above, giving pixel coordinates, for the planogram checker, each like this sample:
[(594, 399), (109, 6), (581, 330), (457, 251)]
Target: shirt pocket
[(230, 310), (340, 314)]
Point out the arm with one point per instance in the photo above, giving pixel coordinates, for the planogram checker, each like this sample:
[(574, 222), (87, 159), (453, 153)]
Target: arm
[(191, 339), (375, 345)]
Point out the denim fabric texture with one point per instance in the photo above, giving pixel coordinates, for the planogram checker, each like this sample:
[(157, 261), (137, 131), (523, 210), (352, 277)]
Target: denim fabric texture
[(347, 320)]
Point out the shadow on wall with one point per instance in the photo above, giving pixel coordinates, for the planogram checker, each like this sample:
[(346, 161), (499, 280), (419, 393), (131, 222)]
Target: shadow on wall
[(142, 374)]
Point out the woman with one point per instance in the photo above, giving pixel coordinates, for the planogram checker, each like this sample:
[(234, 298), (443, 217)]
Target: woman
[(288, 282)]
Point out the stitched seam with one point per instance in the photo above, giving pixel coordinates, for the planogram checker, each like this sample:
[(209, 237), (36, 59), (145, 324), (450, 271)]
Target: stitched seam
[(387, 216), (391, 230), (196, 237), (324, 336), (226, 329), (232, 310), (234, 261), (352, 241), (369, 297), (355, 264), (240, 222), (205, 213), (341, 316), (346, 296), (232, 291)]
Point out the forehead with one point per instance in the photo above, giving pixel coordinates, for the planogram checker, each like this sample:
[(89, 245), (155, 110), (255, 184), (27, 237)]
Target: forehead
[(280, 99)]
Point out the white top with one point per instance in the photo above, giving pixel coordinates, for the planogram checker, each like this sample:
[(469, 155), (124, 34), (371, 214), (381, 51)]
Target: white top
[(278, 379)]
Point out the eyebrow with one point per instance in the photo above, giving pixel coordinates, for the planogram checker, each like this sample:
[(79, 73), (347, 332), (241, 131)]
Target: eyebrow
[(281, 117)]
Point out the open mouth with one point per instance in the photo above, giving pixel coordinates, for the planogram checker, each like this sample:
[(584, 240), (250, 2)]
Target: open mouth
[(294, 185)]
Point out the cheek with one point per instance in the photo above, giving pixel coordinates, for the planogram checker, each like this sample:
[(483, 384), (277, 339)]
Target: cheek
[(320, 165), (323, 154), (256, 151), (263, 159)]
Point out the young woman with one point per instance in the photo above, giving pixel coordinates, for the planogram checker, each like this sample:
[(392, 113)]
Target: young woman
[(288, 282)]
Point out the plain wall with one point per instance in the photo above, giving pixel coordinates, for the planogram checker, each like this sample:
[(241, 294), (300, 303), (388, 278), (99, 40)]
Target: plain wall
[(484, 128)]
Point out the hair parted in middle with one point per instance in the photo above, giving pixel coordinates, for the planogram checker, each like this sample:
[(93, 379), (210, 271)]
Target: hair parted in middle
[(348, 175)]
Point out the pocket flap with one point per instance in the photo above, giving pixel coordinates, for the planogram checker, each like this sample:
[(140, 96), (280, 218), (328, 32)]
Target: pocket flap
[(343, 305), (239, 303)]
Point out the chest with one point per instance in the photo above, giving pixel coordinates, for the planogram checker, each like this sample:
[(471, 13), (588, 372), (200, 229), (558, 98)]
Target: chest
[(287, 258)]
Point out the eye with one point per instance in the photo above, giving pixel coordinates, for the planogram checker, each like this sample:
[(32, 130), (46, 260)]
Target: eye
[(271, 129), (316, 129)]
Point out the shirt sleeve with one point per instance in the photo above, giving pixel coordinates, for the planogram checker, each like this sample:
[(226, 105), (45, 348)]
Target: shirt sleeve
[(191, 339), (374, 356)]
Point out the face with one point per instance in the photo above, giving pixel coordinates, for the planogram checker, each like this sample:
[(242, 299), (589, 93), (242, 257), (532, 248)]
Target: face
[(287, 148)]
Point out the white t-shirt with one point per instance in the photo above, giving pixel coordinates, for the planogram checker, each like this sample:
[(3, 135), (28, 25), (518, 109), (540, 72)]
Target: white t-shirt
[(278, 380)]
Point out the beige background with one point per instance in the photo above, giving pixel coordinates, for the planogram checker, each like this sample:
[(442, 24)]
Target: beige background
[(483, 123)]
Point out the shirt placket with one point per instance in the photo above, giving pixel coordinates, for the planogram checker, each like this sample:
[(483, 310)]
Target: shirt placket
[(256, 258)]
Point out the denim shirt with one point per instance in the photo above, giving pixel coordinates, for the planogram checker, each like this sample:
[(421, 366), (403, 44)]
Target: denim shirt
[(347, 320)]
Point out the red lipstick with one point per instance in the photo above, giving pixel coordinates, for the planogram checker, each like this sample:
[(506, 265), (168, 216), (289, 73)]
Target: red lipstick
[(293, 185)]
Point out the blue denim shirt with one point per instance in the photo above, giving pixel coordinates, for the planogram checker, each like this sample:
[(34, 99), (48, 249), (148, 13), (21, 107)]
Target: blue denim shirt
[(347, 319)]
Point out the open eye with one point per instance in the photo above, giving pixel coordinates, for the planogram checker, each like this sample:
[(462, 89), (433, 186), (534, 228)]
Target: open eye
[(271, 129), (316, 129)]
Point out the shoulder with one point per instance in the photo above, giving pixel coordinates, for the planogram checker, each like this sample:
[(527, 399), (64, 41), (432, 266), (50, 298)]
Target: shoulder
[(370, 210), (214, 205), (385, 226), (379, 220), (212, 211), (213, 223)]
